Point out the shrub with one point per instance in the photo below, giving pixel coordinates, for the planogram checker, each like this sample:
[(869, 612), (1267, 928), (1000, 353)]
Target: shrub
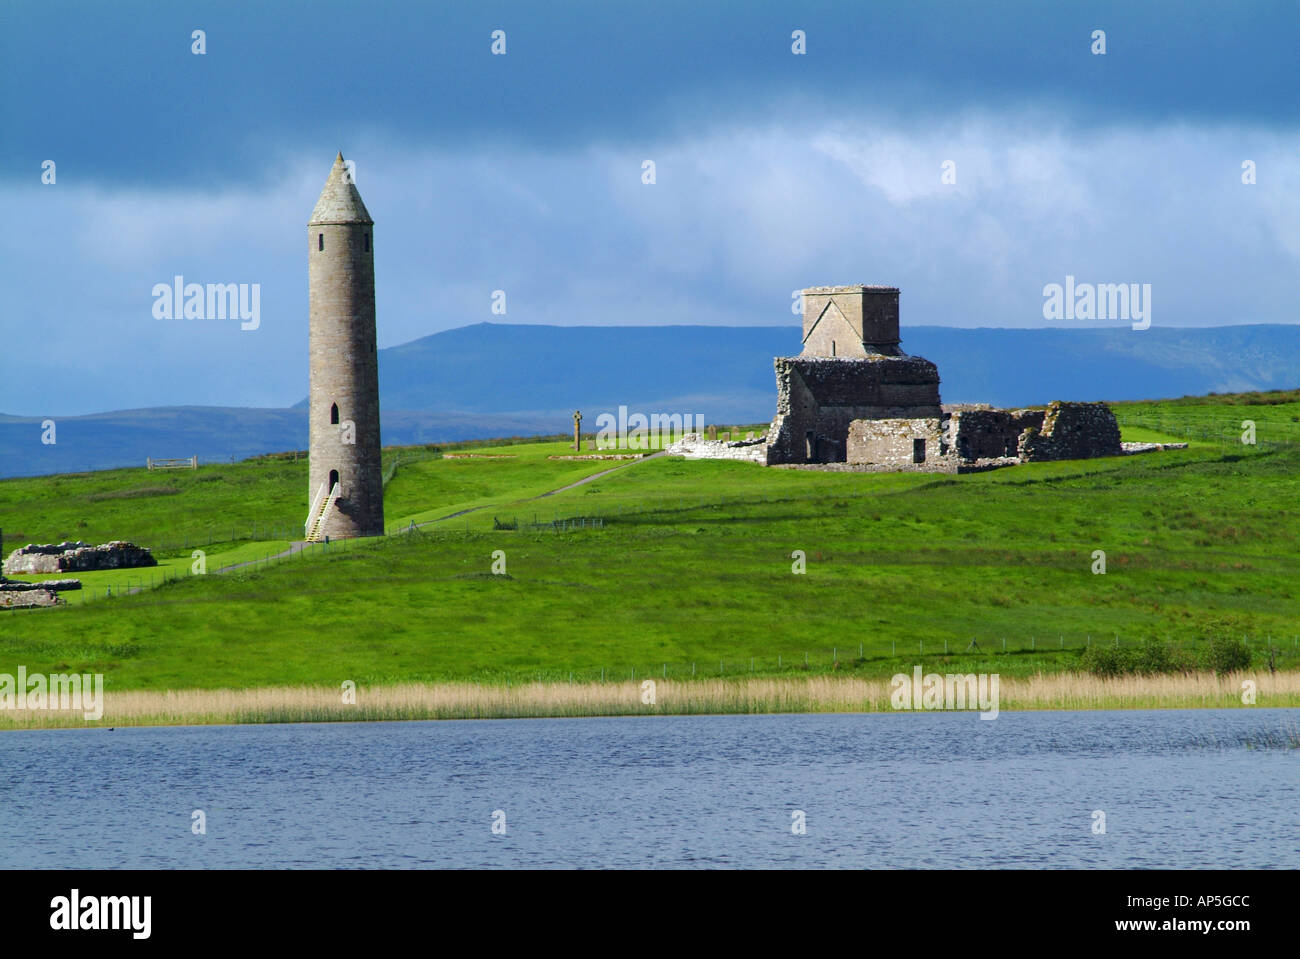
[(1225, 655), (1152, 656), (1107, 661)]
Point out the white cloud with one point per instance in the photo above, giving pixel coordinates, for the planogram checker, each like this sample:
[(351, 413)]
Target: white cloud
[(737, 219)]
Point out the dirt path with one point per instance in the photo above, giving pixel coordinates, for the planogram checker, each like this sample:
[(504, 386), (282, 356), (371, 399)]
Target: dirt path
[(300, 545), (581, 482), (295, 547)]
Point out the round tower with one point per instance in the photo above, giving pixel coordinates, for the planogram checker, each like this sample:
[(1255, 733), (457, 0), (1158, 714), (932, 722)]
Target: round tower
[(346, 489)]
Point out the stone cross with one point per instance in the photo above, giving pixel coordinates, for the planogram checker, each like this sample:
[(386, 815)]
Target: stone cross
[(577, 430)]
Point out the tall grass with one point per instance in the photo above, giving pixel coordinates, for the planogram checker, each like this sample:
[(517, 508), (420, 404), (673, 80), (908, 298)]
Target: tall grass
[(819, 694)]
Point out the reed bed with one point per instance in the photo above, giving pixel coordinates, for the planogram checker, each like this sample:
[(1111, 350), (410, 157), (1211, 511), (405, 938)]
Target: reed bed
[(817, 694)]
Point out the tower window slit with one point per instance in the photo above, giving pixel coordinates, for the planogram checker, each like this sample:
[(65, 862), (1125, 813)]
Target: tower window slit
[(334, 414), (320, 241)]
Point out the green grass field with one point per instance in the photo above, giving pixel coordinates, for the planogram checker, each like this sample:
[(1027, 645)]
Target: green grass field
[(677, 568)]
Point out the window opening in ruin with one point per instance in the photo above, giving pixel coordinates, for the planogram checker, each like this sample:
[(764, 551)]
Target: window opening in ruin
[(334, 414), (367, 242), (918, 450), (811, 439), (832, 347), (320, 241)]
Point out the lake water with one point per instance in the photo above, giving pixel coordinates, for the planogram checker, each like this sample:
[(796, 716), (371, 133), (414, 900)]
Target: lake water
[(1178, 789)]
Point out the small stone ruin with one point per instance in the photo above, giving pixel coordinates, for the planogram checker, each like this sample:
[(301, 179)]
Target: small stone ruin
[(16, 595), (76, 558), (968, 440)]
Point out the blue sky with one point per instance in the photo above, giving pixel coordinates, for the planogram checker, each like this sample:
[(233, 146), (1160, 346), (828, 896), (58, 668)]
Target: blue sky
[(523, 172)]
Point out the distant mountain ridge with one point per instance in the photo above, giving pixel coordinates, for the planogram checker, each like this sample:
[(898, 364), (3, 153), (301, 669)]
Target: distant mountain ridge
[(727, 371), (494, 379)]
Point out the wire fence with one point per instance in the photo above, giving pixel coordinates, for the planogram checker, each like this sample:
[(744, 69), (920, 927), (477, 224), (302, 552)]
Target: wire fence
[(1230, 435), (900, 655), (221, 535), (140, 580)]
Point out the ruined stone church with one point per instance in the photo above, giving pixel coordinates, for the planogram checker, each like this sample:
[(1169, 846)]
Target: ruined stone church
[(853, 396)]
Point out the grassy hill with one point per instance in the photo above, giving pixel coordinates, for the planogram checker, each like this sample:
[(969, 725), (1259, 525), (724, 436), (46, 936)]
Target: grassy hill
[(679, 569)]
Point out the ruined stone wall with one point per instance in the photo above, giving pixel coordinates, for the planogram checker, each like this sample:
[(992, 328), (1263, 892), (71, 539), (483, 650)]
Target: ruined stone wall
[(76, 557), (693, 446), (1073, 431), (19, 595), (904, 444), (990, 434), (818, 397), (967, 440), (28, 598)]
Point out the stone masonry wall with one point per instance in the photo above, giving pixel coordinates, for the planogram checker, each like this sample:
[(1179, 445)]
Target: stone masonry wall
[(28, 598), (1073, 431), (904, 444), (965, 440), (77, 557), (818, 397), (850, 321), (989, 434), (343, 360)]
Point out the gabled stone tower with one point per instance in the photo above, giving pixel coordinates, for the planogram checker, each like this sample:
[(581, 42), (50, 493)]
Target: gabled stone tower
[(853, 321), (850, 369), (346, 488)]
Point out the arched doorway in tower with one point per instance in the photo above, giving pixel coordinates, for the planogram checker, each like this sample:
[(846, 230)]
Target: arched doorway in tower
[(334, 479)]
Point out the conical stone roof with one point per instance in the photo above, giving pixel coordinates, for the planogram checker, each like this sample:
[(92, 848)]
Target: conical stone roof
[(339, 202)]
